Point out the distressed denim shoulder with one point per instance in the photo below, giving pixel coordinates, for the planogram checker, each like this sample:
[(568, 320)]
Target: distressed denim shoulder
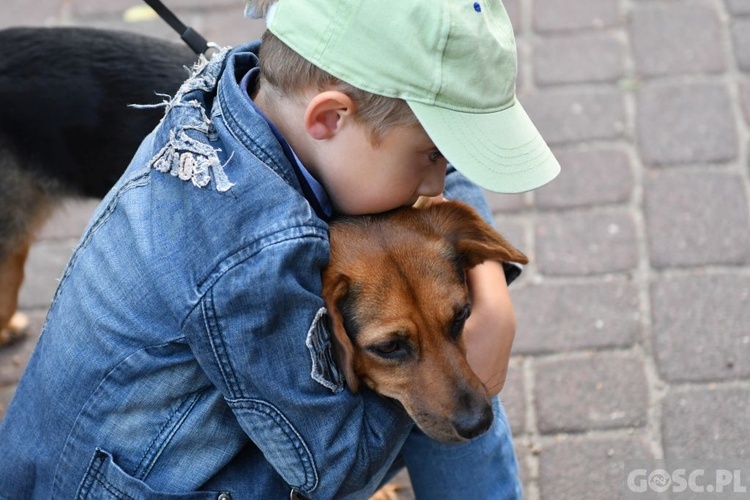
[(186, 352)]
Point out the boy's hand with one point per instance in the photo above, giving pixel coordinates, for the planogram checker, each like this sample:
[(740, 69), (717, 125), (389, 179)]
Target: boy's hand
[(490, 329)]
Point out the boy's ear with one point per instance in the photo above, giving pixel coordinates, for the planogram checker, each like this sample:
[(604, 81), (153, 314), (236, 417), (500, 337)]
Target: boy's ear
[(325, 112), (475, 241)]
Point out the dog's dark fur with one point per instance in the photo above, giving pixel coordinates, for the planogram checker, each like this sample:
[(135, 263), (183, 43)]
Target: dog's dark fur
[(66, 127)]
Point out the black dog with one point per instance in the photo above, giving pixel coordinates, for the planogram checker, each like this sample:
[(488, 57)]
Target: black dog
[(66, 127)]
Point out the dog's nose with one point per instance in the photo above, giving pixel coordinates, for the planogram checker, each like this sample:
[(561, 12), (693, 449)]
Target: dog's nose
[(474, 420)]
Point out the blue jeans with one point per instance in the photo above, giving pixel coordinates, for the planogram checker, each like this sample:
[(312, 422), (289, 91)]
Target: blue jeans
[(484, 468)]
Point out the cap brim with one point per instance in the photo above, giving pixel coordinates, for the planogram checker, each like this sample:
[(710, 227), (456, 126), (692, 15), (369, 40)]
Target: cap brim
[(500, 151)]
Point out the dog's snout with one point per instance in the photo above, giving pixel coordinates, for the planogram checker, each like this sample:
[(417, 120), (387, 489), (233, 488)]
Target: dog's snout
[(475, 418)]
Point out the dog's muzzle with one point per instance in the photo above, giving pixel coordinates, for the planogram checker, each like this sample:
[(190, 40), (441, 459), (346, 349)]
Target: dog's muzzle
[(474, 418)]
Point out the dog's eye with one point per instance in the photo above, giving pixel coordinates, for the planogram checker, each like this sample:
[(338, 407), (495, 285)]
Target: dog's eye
[(459, 321), (388, 348), (391, 350)]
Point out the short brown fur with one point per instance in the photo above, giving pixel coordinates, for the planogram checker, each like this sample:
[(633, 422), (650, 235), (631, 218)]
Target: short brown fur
[(395, 290)]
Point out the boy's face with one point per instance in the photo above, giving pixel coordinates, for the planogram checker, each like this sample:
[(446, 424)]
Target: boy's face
[(362, 178)]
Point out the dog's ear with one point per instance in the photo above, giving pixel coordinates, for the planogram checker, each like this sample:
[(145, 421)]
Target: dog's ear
[(335, 290), (473, 238)]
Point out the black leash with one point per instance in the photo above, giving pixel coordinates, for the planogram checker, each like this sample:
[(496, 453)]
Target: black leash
[(191, 37)]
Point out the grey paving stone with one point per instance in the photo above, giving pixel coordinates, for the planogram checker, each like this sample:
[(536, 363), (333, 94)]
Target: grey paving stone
[(741, 41), (739, 7), (677, 37), (220, 23), (402, 479), (560, 318), (25, 13), (523, 83), (98, 7), (14, 357), (89, 8), (522, 455), (13, 360), (153, 27), (708, 423), (564, 15), (682, 232), (685, 123), (586, 243), (589, 176), (590, 392), (228, 26), (6, 394), (588, 468), (504, 203), (69, 220), (207, 7), (514, 232), (744, 87), (46, 263), (700, 327), (514, 7), (597, 58), (512, 397), (573, 115)]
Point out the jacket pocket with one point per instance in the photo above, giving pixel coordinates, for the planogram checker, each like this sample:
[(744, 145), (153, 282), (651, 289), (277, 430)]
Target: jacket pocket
[(105, 480)]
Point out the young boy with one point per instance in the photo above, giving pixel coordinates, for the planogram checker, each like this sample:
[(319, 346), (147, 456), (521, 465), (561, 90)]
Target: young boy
[(181, 357)]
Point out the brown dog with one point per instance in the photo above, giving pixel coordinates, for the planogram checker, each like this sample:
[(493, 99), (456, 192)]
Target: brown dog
[(398, 299)]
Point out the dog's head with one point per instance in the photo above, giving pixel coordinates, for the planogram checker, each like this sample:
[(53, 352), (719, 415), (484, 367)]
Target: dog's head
[(397, 298)]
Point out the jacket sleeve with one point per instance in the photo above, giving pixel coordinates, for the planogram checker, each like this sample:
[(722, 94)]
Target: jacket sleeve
[(261, 336), (458, 187)]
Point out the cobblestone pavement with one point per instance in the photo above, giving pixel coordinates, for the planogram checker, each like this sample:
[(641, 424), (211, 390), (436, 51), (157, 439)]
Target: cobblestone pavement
[(634, 320)]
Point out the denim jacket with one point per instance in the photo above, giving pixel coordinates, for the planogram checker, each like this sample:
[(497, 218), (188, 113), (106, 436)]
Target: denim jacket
[(185, 353)]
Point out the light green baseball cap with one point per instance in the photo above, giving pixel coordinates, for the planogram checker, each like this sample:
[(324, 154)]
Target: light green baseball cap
[(453, 61)]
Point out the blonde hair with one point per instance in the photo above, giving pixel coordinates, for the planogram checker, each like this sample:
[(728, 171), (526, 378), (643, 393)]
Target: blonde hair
[(287, 74)]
